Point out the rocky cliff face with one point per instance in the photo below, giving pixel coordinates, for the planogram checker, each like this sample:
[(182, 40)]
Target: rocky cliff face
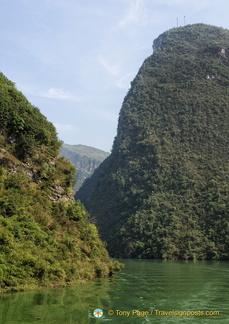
[(162, 193), (158, 42)]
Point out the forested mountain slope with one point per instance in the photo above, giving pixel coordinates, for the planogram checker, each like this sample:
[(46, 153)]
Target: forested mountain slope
[(85, 158), (163, 191), (45, 236)]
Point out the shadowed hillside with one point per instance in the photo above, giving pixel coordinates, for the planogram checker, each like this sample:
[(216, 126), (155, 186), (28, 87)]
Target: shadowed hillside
[(163, 191)]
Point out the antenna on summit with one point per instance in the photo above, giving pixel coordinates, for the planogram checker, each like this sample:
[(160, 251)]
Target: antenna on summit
[(184, 20), (177, 22)]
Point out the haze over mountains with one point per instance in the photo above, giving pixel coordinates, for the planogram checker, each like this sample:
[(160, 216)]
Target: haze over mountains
[(163, 191), (85, 158)]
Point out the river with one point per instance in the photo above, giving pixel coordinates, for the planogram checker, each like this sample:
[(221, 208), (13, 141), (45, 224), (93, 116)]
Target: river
[(145, 291)]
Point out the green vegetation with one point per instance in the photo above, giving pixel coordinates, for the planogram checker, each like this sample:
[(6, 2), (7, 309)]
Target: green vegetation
[(163, 191), (85, 158), (84, 150), (45, 236)]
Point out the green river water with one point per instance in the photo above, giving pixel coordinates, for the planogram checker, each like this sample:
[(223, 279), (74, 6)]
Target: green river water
[(145, 291)]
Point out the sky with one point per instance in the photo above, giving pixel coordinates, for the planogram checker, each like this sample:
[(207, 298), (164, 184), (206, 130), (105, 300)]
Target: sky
[(75, 59)]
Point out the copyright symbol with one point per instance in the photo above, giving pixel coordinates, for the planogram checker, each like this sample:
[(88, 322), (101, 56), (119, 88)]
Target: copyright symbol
[(111, 312)]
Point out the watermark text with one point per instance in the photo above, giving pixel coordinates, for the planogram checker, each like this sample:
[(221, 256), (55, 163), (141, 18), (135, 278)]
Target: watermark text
[(157, 312)]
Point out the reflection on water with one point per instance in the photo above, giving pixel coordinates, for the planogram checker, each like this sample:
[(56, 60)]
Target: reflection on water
[(144, 292)]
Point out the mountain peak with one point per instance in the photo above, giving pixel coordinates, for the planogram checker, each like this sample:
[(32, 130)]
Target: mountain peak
[(162, 191), (196, 34)]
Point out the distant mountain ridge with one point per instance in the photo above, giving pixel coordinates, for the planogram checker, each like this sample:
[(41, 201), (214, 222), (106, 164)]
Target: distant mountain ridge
[(85, 159), (163, 191)]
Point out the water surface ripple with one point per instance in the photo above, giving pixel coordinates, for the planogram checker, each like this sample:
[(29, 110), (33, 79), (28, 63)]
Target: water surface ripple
[(145, 291)]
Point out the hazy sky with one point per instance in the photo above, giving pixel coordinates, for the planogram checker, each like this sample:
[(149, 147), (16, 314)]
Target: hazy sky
[(74, 59)]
